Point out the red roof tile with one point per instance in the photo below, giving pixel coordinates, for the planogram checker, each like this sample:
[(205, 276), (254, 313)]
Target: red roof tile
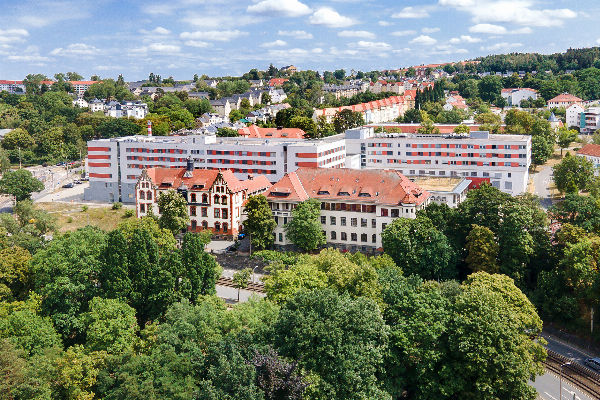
[(590, 150), (254, 131)]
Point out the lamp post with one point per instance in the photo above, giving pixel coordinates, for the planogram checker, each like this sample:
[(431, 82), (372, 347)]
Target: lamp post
[(560, 380), (253, 269)]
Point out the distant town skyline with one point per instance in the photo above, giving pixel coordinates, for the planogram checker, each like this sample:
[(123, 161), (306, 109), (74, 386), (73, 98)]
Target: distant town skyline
[(181, 38)]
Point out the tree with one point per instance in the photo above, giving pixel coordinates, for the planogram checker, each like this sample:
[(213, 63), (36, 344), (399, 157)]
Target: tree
[(339, 74), (572, 174), (259, 222), (428, 128), (541, 150), (417, 247), (324, 330), (412, 116), (462, 129), (277, 378), (490, 87), (410, 72), (15, 276), (20, 183), (240, 280), (201, 269), (227, 132), (483, 250), (580, 211), (110, 326), (18, 138), (347, 119), (235, 115), (306, 124), (304, 230), (173, 211), (565, 137)]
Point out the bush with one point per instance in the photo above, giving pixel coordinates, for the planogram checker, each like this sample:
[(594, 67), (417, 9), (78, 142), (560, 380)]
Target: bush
[(129, 213), (69, 220), (117, 206), (85, 208)]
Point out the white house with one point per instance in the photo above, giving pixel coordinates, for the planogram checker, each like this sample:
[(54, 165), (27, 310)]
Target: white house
[(514, 96), (573, 115)]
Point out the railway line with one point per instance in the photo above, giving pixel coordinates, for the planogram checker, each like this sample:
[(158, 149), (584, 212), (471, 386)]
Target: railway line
[(577, 375), (254, 287)]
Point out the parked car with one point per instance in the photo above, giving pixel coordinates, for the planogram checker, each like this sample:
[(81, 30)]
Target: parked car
[(241, 236), (60, 164), (68, 185), (78, 182), (593, 363)]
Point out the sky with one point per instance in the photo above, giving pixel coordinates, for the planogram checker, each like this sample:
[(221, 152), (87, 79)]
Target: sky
[(229, 37)]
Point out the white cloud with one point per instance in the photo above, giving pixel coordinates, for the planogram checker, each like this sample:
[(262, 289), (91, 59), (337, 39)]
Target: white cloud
[(158, 30), (109, 67), (14, 32), (28, 58), (77, 49), (296, 34), (280, 8), (385, 23), (526, 30), (317, 50), (218, 20), (446, 49), (224, 36), (370, 45), (197, 43), (164, 48), (13, 36), (274, 44), (519, 12), (359, 34), (464, 39), (488, 28), (329, 17), (501, 47), (430, 30), (403, 33), (424, 40), (598, 41), (411, 12)]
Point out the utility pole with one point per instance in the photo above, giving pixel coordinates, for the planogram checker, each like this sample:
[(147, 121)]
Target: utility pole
[(19, 157)]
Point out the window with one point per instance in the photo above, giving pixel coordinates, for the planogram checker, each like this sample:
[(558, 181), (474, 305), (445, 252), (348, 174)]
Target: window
[(354, 237), (331, 220), (224, 213), (374, 238), (225, 227), (363, 222), (508, 185), (383, 227), (224, 200), (204, 225), (363, 237), (142, 208), (353, 221), (281, 237), (384, 212), (323, 219), (193, 197), (509, 175), (193, 211), (373, 223), (343, 221), (142, 195), (194, 224), (217, 212), (394, 212), (204, 212), (217, 227), (473, 173), (216, 199), (344, 236), (204, 198), (333, 235)]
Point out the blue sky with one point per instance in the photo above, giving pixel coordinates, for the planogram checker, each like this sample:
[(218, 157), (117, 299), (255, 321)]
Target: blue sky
[(229, 37)]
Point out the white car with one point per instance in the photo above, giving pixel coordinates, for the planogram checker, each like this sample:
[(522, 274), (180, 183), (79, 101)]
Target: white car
[(593, 363)]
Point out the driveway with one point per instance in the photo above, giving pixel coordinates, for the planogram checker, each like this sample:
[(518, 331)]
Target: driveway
[(541, 181)]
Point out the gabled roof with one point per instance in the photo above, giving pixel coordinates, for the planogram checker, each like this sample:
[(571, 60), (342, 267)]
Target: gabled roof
[(590, 150), (254, 131), (565, 98), (383, 187)]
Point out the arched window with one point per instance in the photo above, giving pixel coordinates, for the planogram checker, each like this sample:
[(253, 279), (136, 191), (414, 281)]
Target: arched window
[(204, 225), (217, 227), (224, 200), (149, 195), (216, 199), (204, 198), (225, 227), (142, 195), (193, 197)]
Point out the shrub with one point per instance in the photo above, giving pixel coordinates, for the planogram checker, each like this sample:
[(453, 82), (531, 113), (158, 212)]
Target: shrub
[(117, 206), (129, 213), (85, 208), (69, 220)]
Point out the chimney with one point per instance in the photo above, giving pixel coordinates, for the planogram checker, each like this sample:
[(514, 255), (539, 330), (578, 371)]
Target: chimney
[(189, 171), (149, 128)]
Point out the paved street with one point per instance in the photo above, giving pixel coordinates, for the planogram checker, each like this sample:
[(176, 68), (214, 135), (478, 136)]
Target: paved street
[(570, 351), (542, 180), (548, 387)]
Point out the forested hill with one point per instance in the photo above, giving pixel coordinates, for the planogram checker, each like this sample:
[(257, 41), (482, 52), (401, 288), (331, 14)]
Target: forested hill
[(572, 59)]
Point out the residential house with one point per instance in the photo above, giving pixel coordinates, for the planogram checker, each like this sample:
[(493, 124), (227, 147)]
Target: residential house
[(222, 106), (96, 105), (514, 96), (80, 102), (277, 95), (564, 100), (289, 69), (277, 82), (591, 152), (573, 114)]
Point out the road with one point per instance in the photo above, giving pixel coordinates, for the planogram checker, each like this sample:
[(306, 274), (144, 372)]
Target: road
[(548, 388), (563, 348), (541, 181)]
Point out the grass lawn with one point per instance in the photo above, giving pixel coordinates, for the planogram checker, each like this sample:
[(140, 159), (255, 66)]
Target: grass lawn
[(71, 217)]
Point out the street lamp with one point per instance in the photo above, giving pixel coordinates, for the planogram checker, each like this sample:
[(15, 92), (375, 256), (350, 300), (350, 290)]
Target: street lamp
[(253, 269), (560, 380)]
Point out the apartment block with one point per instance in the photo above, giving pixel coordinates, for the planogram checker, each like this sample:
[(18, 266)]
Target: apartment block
[(503, 160), (116, 164)]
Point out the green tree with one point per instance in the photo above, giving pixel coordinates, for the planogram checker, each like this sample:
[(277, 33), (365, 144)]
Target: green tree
[(202, 270), (259, 222), (110, 326), (412, 116), (462, 129), (227, 132), (572, 173), (579, 211), (428, 128), (565, 138), (240, 280), (235, 115), (304, 230), (324, 330), (541, 150), (347, 119), (307, 125), (20, 183), (490, 87), (18, 138), (417, 247), (173, 211), (483, 250), (15, 276), (410, 72)]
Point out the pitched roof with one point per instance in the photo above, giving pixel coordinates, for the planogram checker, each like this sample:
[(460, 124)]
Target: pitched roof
[(255, 132), (384, 187), (590, 150), (565, 98)]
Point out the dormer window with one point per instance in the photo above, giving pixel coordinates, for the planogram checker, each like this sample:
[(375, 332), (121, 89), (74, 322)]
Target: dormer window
[(343, 194), (216, 199), (322, 192), (364, 195)]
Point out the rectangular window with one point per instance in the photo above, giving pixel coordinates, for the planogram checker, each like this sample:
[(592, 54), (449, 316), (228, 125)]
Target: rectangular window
[(281, 237), (373, 223), (204, 212), (363, 222), (331, 220), (344, 236), (363, 237), (224, 213), (343, 221), (508, 185), (354, 237), (193, 211), (353, 221), (217, 212), (374, 238), (383, 227), (333, 235), (384, 212), (323, 219), (394, 213)]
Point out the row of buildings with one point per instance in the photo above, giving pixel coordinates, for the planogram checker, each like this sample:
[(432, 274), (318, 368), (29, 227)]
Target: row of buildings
[(373, 112), (115, 165)]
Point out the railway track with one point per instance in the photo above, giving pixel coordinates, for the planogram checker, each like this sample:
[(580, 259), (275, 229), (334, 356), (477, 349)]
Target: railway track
[(228, 282), (577, 375)]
